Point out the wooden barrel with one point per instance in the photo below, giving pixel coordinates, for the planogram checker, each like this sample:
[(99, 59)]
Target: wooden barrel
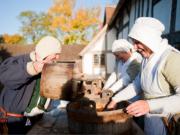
[(84, 119), (56, 80), (176, 119)]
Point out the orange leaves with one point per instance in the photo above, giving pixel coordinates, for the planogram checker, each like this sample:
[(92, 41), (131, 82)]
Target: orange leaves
[(63, 7), (8, 39), (69, 39), (61, 13), (63, 20), (84, 18), (65, 17)]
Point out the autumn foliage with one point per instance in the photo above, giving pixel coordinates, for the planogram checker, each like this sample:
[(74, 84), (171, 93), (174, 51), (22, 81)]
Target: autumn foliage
[(62, 20), (11, 39), (72, 25)]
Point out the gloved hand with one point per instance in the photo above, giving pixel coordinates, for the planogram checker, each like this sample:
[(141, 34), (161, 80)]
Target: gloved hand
[(34, 112), (112, 105)]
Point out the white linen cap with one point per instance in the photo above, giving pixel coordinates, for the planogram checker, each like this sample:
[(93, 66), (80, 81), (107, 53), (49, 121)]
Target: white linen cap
[(121, 45), (48, 45), (148, 31)]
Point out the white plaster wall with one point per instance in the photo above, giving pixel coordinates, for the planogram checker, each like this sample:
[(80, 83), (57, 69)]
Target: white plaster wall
[(87, 64), (99, 45), (125, 33), (111, 36), (99, 71), (110, 63), (110, 59), (126, 18)]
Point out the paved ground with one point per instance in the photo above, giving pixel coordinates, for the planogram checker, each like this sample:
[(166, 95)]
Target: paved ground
[(56, 123), (53, 123)]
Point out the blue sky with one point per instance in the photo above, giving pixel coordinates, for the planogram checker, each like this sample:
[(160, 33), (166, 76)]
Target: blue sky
[(10, 9)]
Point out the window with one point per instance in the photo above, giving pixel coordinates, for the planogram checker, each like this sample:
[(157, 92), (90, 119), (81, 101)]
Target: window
[(120, 35), (132, 14), (162, 11), (177, 27), (125, 32), (99, 60), (125, 17)]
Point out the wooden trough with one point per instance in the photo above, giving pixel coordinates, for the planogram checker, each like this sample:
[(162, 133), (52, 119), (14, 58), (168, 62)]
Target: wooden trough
[(83, 118), (176, 125)]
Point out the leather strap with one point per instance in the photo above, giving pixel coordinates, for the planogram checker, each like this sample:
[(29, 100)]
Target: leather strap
[(5, 114)]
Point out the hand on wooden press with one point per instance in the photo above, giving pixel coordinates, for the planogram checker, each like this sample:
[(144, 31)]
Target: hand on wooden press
[(138, 108), (112, 105)]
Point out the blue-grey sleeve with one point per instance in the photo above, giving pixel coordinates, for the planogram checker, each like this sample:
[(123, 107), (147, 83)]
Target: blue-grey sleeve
[(129, 92), (13, 73)]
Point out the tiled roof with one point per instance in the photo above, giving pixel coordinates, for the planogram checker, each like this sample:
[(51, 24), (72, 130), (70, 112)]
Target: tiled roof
[(116, 11), (109, 10), (7, 50), (69, 52)]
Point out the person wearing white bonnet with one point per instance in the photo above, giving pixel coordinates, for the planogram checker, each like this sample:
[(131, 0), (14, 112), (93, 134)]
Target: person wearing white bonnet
[(121, 45), (148, 31), (127, 66), (48, 45), (20, 76), (159, 80)]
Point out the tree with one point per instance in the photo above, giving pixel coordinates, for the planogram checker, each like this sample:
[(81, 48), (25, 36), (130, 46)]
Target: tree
[(12, 39), (35, 25), (73, 26), (61, 21), (1, 39)]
